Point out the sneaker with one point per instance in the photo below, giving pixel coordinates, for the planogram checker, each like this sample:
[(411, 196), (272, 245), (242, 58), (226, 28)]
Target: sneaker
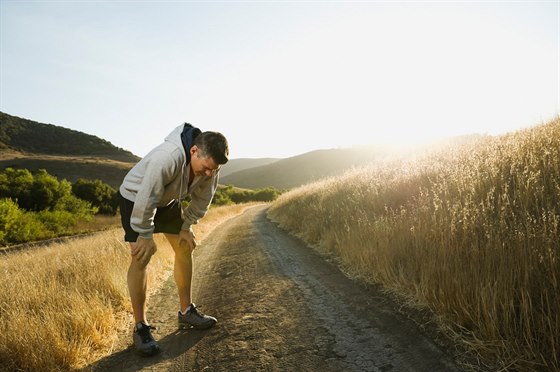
[(195, 319), (143, 340)]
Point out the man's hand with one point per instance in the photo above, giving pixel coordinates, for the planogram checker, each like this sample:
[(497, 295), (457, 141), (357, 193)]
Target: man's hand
[(187, 237), (143, 249)]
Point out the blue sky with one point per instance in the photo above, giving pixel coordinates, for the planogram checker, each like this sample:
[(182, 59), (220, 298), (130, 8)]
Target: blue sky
[(280, 78)]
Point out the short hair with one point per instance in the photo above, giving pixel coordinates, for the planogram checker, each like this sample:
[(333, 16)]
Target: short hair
[(214, 145)]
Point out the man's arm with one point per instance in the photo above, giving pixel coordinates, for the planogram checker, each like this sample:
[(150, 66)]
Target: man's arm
[(143, 249), (200, 202), (197, 208)]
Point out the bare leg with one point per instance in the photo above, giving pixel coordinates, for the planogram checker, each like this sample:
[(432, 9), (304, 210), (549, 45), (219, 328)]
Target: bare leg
[(182, 271), (137, 285)]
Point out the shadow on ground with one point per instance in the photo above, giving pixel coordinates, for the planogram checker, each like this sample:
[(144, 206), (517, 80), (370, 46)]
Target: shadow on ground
[(173, 345)]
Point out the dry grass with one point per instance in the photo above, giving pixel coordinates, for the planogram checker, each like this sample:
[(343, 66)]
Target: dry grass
[(63, 306), (472, 233), (98, 222)]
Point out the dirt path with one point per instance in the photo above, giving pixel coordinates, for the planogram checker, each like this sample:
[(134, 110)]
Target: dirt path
[(280, 307)]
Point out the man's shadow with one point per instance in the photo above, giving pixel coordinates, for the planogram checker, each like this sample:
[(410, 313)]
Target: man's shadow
[(172, 346)]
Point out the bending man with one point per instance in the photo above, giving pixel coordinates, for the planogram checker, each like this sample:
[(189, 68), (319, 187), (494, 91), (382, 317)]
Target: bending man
[(185, 164)]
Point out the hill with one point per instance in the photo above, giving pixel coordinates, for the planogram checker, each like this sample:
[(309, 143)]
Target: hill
[(237, 165), (28, 136), (315, 165), (301, 169), (64, 153)]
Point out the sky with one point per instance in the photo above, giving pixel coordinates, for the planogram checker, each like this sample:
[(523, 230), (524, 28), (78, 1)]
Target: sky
[(281, 78)]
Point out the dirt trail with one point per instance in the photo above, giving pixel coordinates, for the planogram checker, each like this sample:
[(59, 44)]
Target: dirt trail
[(280, 307)]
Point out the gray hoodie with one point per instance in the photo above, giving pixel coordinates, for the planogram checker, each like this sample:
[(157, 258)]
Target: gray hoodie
[(161, 177)]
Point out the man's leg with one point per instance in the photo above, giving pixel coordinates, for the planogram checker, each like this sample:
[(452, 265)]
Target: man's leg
[(136, 278), (183, 277), (182, 270), (137, 285)]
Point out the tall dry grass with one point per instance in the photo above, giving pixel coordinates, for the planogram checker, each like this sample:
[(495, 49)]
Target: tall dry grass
[(62, 307), (473, 233)]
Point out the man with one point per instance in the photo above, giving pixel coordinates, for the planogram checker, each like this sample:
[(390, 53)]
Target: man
[(187, 163)]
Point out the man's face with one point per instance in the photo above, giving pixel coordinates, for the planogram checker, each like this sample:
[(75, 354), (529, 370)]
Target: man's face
[(202, 166)]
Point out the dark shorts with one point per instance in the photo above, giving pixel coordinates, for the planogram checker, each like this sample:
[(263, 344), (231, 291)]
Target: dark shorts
[(167, 219)]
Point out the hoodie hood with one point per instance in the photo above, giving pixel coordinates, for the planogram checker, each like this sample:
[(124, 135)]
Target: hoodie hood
[(183, 137), (188, 135)]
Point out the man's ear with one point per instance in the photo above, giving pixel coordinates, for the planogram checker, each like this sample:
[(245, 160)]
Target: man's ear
[(193, 149)]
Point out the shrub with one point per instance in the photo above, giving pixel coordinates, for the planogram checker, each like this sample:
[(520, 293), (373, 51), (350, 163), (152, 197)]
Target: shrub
[(9, 215), (36, 207), (59, 222), (229, 194), (46, 190), (32, 192), (98, 193), (18, 226), (16, 184)]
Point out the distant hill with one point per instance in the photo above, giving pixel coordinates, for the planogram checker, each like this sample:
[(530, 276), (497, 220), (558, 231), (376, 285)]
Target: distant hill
[(236, 165), (301, 169), (64, 153), (28, 136)]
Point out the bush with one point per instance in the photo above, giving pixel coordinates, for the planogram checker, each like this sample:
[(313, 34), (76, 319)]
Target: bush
[(35, 207), (45, 191), (229, 194), (59, 222), (78, 207), (98, 193), (33, 192), (221, 198), (266, 195), (19, 226), (9, 215), (16, 184), (29, 228)]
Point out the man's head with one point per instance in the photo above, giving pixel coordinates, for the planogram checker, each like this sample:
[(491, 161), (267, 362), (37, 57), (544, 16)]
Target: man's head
[(208, 152)]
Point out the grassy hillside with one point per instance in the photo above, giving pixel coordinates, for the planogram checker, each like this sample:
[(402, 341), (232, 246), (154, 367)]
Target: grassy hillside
[(472, 233), (31, 137), (64, 153)]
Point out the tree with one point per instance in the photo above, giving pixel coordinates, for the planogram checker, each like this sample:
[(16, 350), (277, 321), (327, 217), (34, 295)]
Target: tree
[(16, 184), (46, 191), (98, 193)]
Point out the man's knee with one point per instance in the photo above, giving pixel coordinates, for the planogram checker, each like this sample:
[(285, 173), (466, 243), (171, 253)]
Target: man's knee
[(179, 249), (138, 265), (183, 250)]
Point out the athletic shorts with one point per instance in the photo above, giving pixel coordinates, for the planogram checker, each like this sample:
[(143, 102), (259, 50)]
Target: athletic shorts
[(167, 219)]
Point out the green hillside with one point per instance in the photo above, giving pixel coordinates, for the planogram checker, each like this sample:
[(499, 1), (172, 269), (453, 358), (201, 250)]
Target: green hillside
[(64, 153), (32, 137)]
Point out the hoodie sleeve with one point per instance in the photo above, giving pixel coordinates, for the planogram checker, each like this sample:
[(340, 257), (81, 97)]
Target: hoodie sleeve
[(201, 198), (159, 170)]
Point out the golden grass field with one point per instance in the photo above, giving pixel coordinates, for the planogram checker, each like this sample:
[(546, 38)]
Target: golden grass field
[(471, 233), (62, 307)]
